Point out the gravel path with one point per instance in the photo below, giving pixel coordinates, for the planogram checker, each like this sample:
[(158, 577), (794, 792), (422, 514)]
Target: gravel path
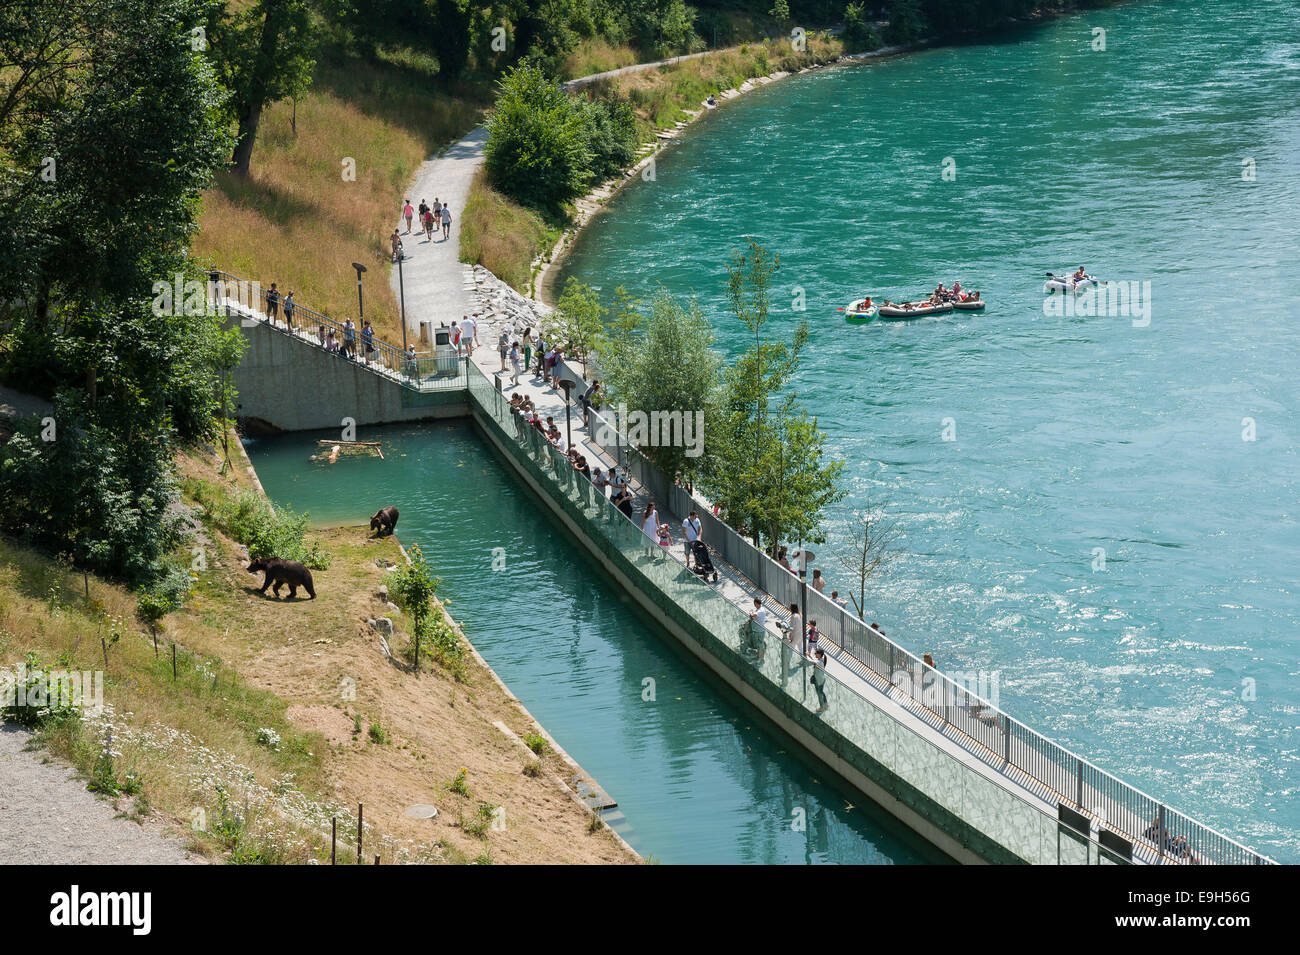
[(48, 817)]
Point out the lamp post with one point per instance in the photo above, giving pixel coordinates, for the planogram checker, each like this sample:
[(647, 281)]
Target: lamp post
[(566, 385), (804, 557), (401, 289), (361, 312)]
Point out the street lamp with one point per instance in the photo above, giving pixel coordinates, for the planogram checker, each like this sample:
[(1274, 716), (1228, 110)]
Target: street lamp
[(566, 385), (401, 288), (361, 312)]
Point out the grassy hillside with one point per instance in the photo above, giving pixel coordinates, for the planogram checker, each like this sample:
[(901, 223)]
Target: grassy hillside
[(284, 714), (297, 221)]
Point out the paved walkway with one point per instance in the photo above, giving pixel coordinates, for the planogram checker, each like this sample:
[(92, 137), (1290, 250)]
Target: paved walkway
[(431, 272)]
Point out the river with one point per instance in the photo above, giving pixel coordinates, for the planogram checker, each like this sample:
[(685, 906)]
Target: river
[(1099, 511)]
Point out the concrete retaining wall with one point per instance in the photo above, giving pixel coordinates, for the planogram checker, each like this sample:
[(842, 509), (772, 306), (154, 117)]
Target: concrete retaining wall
[(294, 385)]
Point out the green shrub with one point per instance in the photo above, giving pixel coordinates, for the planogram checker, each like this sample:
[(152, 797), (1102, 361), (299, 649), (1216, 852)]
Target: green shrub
[(535, 742), (265, 530), (859, 34), (538, 150)]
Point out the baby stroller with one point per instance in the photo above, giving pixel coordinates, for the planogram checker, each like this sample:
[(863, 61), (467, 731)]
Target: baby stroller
[(702, 563)]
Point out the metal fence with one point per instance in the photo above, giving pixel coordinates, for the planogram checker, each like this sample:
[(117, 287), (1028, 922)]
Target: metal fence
[(1027, 829), (425, 371), (1066, 777)]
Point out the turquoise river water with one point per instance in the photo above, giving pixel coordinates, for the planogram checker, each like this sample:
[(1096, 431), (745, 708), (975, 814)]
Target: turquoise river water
[(1112, 534)]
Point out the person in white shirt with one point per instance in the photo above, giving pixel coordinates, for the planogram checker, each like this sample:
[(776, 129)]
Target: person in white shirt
[(468, 331), (691, 531), (793, 638)]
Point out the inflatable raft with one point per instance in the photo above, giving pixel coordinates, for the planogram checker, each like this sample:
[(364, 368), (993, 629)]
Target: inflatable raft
[(1067, 284), (914, 310), (855, 312), (969, 306)]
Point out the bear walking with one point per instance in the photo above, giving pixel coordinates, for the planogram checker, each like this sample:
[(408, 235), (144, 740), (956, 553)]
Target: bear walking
[(280, 572)]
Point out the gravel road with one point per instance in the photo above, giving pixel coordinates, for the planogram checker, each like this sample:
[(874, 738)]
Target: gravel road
[(48, 817)]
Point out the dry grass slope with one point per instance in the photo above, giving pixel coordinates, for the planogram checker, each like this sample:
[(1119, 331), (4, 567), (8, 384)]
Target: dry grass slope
[(298, 221), (346, 723)]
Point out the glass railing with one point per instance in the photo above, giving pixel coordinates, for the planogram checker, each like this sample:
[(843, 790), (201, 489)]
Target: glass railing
[(915, 764)]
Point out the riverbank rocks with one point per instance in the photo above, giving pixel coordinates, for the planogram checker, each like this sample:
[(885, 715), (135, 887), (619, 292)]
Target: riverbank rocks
[(385, 626), (382, 592), (383, 563), (501, 307)]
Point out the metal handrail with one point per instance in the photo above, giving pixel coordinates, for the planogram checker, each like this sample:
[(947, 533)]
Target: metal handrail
[(301, 321), (1067, 776), (561, 465)]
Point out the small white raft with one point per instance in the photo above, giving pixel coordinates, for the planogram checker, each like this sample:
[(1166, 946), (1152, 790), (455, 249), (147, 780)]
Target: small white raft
[(1067, 283)]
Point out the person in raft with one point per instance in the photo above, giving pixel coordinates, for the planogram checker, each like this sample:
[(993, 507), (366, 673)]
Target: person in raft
[(866, 304), (956, 292), (1079, 276)]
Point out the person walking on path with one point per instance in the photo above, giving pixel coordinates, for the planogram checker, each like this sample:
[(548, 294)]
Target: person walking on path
[(408, 213), (818, 678), (514, 364), (288, 309), (818, 581), (586, 399), (758, 627), (692, 531), (468, 333), (272, 303), (793, 639), (814, 638), (503, 348), (650, 524), (427, 218), (350, 339), (446, 223), (528, 347)]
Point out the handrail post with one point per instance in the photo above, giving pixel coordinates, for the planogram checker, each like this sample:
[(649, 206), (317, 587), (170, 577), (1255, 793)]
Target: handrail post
[(1078, 800), (1006, 745)]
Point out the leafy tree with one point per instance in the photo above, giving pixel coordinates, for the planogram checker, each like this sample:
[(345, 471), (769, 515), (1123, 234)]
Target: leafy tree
[(414, 586), (538, 148), (668, 367), (580, 320), (264, 52), (766, 465), (906, 22), (451, 37), (107, 137), (859, 33), (611, 135)]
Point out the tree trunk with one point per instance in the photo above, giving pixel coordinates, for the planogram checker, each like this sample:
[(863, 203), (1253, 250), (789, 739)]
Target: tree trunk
[(248, 121)]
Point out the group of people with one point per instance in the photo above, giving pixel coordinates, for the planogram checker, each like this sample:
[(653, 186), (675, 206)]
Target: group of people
[(817, 583), (940, 295), (432, 218), (274, 302), (464, 335), (345, 344)]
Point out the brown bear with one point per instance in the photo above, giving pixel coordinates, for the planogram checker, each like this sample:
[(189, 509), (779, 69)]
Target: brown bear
[(384, 521), (280, 572)]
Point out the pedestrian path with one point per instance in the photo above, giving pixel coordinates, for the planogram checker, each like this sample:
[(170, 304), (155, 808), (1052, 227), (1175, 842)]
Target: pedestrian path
[(431, 281)]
